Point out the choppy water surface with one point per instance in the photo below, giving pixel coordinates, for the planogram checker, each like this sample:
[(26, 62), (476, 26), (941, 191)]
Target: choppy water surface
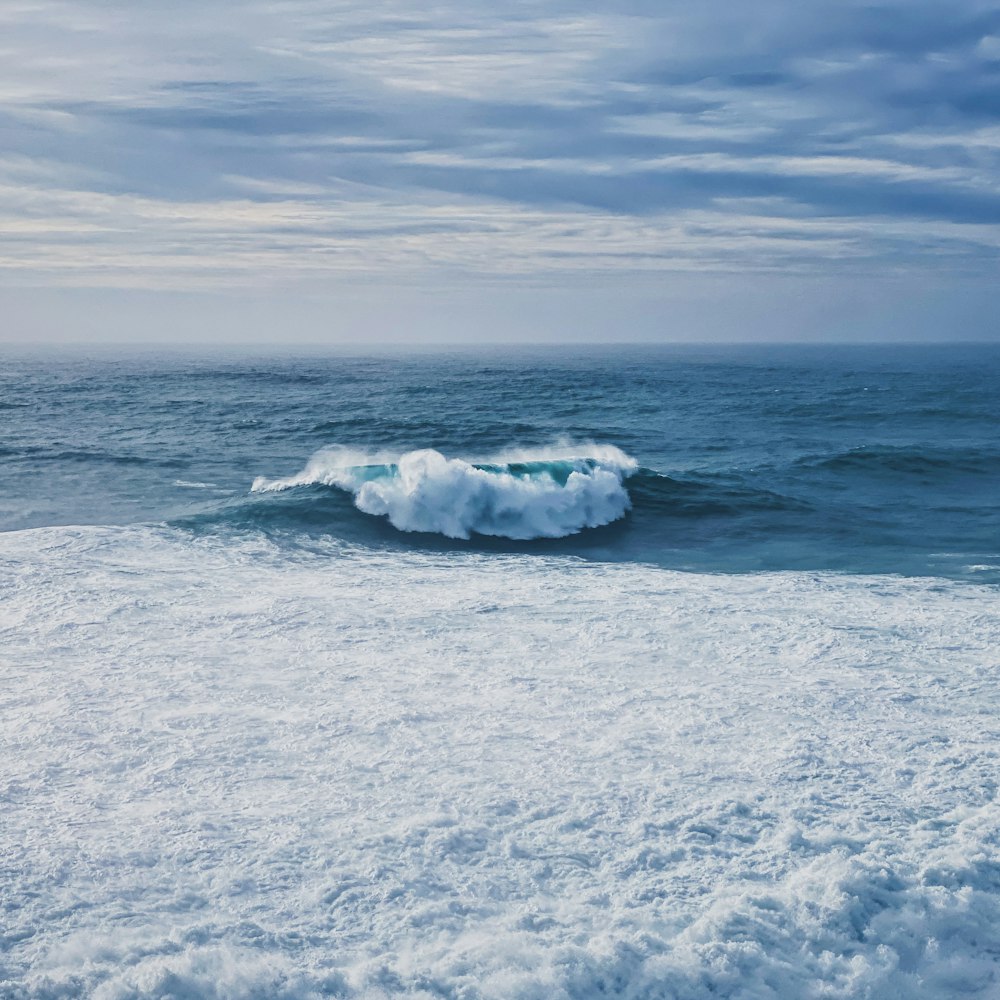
[(858, 459)]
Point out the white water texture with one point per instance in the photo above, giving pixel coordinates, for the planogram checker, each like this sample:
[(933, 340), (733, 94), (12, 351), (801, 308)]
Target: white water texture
[(425, 491), (233, 771)]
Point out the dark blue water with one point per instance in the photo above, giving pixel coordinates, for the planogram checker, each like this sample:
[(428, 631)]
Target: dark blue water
[(861, 459)]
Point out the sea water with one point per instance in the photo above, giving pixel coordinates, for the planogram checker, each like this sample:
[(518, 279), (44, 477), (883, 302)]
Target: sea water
[(501, 673)]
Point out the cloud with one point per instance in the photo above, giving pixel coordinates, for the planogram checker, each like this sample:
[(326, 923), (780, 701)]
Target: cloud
[(262, 140)]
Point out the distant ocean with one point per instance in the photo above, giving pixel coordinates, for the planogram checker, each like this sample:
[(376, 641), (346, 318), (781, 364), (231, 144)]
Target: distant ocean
[(523, 673)]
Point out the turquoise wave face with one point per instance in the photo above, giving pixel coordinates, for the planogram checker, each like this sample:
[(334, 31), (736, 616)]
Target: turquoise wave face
[(557, 471), (854, 459)]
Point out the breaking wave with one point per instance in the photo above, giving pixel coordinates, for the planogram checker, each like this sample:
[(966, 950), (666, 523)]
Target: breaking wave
[(518, 495)]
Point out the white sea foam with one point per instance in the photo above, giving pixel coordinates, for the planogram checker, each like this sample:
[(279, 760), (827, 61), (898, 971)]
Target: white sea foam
[(568, 489), (232, 771), (186, 484)]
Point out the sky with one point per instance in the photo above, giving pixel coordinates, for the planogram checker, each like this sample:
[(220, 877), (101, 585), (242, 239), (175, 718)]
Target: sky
[(284, 171)]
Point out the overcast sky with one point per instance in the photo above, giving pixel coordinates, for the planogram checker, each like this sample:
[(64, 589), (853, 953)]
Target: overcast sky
[(308, 170)]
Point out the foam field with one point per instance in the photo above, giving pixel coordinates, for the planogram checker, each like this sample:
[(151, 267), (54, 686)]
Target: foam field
[(236, 769)]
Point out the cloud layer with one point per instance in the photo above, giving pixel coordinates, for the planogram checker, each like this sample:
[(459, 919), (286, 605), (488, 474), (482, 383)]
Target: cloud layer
[(192, 145)]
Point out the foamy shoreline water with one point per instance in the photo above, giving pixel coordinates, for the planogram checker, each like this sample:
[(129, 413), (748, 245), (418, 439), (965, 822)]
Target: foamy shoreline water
[(234, 768)]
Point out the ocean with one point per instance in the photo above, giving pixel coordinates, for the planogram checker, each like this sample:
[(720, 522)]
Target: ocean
[(501, 673)]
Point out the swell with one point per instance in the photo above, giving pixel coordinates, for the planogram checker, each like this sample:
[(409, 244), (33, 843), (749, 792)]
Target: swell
[(704, 496), (40, 453), (263, 376), (522, 501), (907, 461)]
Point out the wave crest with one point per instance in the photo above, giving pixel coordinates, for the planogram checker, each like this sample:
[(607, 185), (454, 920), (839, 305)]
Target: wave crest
[(519, 495)]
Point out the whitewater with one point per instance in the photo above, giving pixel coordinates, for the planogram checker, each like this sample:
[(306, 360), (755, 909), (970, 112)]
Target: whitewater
[(547, 493), (650, 676)]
